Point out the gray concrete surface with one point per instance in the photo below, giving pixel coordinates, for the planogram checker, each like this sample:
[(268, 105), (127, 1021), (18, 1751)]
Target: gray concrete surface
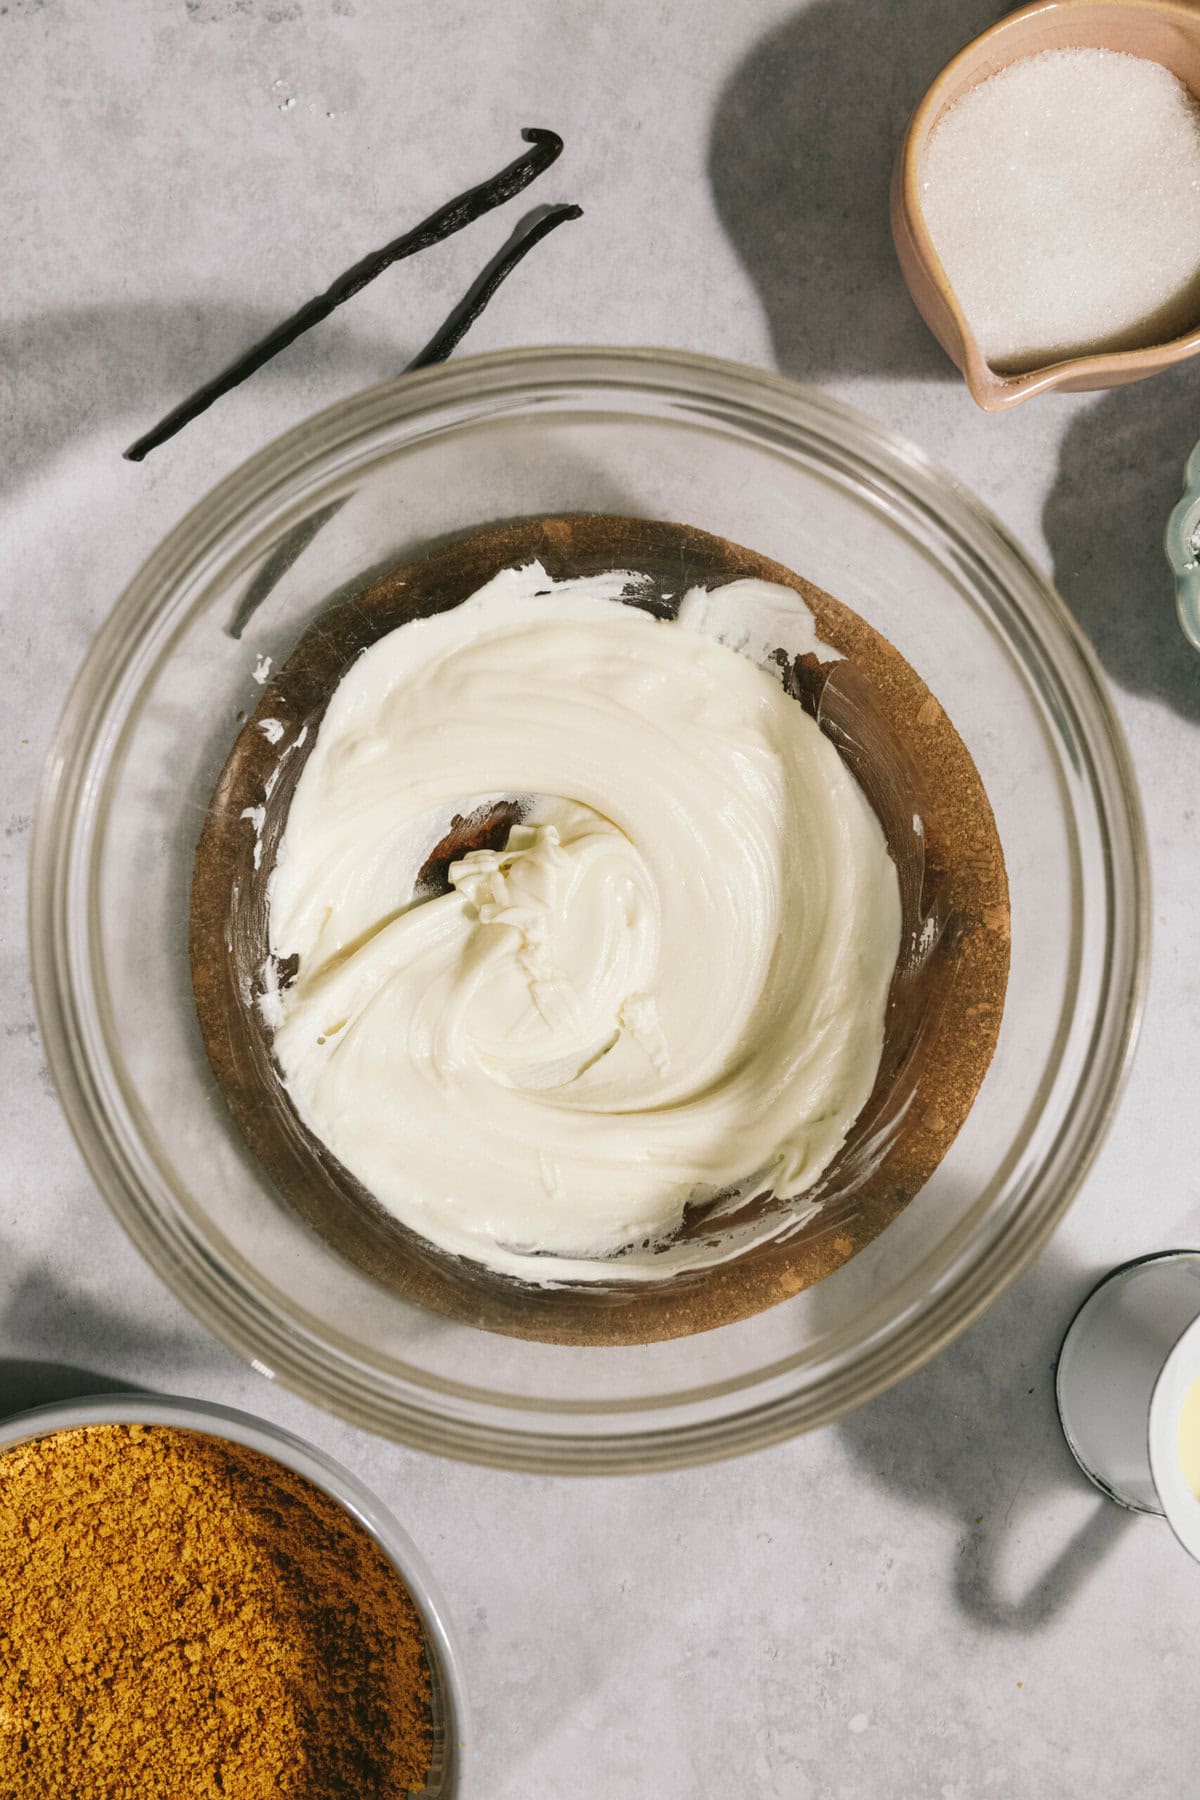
[(926, 1603)]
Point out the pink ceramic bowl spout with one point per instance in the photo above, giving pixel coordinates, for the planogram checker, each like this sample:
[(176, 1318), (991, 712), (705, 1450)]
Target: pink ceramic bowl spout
[(1163, 31)]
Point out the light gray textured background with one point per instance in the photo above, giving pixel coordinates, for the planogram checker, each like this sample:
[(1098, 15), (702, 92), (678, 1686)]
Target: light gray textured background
[(927, 1603)]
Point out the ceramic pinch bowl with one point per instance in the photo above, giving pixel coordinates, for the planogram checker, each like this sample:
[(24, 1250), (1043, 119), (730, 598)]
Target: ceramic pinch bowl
[(1162, 31), (1182, 545)]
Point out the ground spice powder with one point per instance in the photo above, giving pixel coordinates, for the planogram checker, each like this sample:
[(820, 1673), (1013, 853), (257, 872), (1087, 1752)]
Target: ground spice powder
[(182, 1617)]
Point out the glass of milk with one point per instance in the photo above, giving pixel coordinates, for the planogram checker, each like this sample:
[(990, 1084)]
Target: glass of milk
[(1128, 1389)]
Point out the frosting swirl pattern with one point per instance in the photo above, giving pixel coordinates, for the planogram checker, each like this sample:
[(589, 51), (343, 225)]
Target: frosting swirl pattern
[(670, 981)]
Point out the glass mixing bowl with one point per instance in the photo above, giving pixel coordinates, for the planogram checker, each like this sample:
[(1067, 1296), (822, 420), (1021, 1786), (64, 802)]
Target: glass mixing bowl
[(379, 479)]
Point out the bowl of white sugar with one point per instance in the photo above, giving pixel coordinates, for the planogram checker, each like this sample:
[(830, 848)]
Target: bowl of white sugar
[(1046, 201)]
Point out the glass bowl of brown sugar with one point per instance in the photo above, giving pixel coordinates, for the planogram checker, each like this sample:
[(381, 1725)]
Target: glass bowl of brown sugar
[(195, 1603)]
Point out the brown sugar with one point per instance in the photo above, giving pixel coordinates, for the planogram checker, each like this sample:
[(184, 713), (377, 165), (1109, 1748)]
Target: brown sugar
[(183, 1617)]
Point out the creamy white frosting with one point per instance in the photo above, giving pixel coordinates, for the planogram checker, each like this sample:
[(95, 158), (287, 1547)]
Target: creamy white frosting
[(670, 982)]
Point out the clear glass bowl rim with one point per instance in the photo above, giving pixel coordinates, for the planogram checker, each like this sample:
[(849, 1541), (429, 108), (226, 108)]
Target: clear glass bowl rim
[(278, 1342)]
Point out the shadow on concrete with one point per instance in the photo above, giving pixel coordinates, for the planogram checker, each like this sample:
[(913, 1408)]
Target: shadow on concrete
[(803, 141), (25, 1383), (63, 1345), (90, 369), (1120, 473), (975, 1436)]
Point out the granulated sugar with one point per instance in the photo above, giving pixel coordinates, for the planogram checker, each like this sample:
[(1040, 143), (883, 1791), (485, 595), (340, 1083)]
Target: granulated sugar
[(1063, 198)]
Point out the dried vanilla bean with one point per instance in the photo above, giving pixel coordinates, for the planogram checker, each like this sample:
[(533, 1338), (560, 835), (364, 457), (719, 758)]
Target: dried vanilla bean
[(510, 181)]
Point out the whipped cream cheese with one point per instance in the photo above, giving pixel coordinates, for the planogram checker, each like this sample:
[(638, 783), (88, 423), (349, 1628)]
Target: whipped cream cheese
[(669, 983)]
